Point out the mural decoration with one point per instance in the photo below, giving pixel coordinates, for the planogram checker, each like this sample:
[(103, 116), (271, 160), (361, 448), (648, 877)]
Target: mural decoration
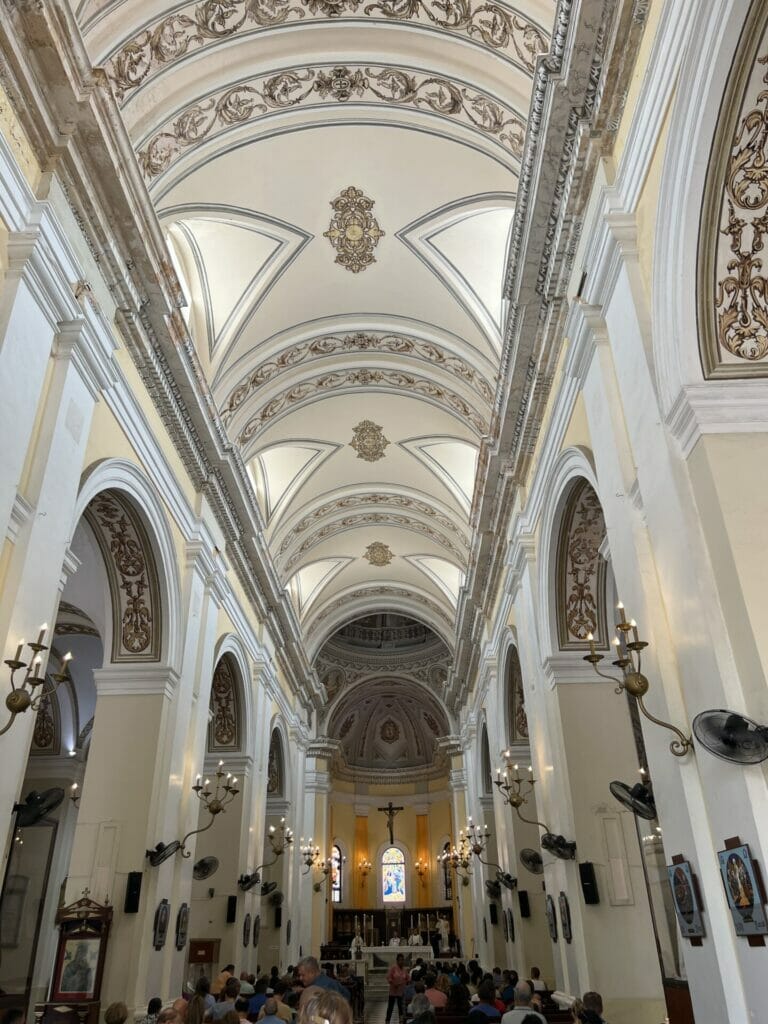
[(197, 25), (350, 380), (132, 577), (47, 730), (378, 554), (517, 719), (378, 591), (314, 86), (368, 439), (224, 727), (353, 232), (373, 519), (275, 766), (581, 570), (733, 279)]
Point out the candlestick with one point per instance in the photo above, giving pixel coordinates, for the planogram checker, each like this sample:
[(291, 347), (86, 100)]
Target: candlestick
[(19, 651), (41, 634)]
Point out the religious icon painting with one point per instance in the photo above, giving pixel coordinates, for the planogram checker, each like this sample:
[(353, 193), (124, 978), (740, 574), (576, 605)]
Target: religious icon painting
[(182, 926), (511, 920), (288, 932), (743, 890), (79, 965), (160, 930), (506, 925), (246, 930), (686, 900), (565, 916), (256, 930), (551, 918)]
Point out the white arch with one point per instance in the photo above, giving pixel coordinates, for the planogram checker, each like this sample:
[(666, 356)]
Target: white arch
[(121, 475), (231, 644), (713, 37), (572, 463)]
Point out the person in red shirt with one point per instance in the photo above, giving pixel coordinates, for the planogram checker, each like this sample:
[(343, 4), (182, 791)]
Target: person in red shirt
[(397, 979)]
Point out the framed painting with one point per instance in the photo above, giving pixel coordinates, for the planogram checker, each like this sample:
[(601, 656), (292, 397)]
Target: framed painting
[(743, 890), (79, 965), (685, 899), (565, 916), (160, 930), (511, 921), (182, 926), (551, 918), (246, 930)]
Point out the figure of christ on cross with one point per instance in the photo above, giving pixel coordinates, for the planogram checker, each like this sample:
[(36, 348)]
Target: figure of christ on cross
[(390, 812)]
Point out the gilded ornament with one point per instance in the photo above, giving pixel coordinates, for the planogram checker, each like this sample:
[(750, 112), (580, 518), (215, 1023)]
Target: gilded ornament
[(378, 554), (223, 731), (353, 232), (368, 441), (581, 568)]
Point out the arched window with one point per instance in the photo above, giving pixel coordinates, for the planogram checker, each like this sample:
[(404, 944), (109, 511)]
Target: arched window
[(447, 878), (337, 866), (393, 875)]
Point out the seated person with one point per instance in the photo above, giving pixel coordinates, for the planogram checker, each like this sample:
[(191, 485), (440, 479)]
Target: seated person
[(522, 1007), (485, 1008), (538, 984), (435, 996)]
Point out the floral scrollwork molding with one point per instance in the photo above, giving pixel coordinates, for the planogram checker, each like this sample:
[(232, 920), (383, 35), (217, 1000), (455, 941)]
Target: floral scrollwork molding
[(265, 94), (581, 570), (198, 26), (733, 271)]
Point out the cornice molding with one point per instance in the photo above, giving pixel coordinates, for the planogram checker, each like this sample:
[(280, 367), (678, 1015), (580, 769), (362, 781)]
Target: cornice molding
[(133, 679)]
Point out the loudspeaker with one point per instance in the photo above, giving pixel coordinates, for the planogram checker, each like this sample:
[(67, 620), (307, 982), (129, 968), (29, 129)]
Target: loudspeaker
[(278, 916), (525, 906), (132, 893), (493, 913), (588, 882), (231, 909)]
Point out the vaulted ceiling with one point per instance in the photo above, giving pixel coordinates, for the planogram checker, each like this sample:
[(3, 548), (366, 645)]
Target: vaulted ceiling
[(337, 182)]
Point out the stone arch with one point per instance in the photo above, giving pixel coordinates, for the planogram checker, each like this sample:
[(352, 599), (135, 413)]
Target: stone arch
[(719, 32), (131, 528)]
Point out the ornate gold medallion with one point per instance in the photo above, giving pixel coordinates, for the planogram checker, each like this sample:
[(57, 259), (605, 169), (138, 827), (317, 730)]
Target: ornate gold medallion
[(368, 441), (378, 553), (354, 231)]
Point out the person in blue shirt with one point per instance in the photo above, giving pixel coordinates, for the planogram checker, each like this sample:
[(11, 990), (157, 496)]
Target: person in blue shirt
[(310, 974), (258, 998)]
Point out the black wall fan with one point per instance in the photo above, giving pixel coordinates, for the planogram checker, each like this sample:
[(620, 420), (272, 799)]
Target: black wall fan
[(493, 888), (506, 879), (246, 882), (162, 852), (558, 846), (531, 860), (37, 805), (638, 799), (731, 737), (205, 867), (275, 898)]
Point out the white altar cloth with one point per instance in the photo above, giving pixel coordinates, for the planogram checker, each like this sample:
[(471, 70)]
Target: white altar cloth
[(389, 953)]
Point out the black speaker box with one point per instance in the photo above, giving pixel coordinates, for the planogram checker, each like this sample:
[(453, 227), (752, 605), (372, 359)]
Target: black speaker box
[(278, 916), (588, 882), (231, 909), (493, 913), (132, 893), (525, 906)]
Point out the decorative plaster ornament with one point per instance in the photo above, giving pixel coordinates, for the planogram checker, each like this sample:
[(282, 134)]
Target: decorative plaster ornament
[(368, 441), (378, 553), (353, 232)]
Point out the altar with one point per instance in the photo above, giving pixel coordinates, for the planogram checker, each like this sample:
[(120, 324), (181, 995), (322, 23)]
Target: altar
[(388, 954)]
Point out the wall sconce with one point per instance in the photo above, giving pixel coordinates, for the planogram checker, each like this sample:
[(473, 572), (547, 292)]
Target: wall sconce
[(309, 854), (364, 867), (421, 868), (629, 660), (214, 801), (74, 796), (516, 790), (279, 838), (27, 694), (325, 867)]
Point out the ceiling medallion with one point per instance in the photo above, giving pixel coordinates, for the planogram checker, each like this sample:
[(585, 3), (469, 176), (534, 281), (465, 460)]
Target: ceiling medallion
[(378, 553), (353, 232), (390, 731), (368, 441)]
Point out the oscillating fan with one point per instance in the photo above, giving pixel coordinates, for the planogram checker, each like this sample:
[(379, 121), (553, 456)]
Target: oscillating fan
[(268, 888), (162, 852), (506, 879), (246, 882), (638, 799), (531, 860), (493, 888), (558, 846), (731, 736), (37, 805), (276, 899), (205, 867)]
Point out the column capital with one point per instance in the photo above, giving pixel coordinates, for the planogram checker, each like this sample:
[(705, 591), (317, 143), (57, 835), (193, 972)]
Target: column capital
[(240, 765), (88, 345), (133, 679), (457, 780), (317, 781), (570, 667)]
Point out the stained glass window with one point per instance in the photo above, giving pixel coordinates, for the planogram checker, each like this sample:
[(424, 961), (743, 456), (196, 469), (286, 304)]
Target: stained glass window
[(393, 875), (336, 869)]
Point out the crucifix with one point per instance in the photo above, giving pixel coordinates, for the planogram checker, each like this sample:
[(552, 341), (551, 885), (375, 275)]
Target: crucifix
[(390, 812)]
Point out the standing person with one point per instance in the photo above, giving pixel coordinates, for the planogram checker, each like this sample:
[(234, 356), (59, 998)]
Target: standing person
[(227, 1003), (200, 1002), (221, 979), (397, 979)]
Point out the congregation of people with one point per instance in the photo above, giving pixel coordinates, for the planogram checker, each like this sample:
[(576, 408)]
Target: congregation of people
[(426, 992)]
